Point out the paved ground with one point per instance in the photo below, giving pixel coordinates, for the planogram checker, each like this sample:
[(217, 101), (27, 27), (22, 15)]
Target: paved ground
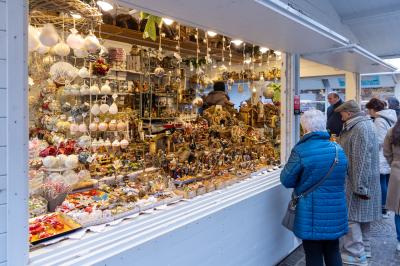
[(383, 247)]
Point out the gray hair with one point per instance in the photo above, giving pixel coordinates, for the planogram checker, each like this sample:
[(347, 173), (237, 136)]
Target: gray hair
[(334, 93), (313, 121)]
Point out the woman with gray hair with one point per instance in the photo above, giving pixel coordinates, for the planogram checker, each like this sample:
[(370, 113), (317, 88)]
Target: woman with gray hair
[(316, 171)]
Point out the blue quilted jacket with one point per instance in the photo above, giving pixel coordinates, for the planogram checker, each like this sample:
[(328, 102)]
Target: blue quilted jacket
[(322, 214)]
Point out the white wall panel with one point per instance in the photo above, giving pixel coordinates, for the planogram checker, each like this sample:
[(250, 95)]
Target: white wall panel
[(3, 160), (3, 16), (3, 222), (3, 39), (3, 189), (3, 131), (3, 102), (3, 249), (3, 71)]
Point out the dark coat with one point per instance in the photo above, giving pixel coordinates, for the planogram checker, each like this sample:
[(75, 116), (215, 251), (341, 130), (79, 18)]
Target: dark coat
[(334, 120), (322, 214), (216, 98)]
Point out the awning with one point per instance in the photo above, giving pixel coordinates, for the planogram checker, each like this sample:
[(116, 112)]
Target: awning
[(267, 23), (270, 23)]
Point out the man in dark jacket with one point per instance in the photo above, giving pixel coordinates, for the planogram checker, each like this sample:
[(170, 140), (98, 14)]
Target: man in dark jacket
[(334, 120)]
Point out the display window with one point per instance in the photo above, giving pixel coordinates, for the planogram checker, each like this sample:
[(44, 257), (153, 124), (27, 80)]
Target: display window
[(127, 114)]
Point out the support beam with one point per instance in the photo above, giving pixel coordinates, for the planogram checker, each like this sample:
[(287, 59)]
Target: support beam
[(290, 124), (353, 86)]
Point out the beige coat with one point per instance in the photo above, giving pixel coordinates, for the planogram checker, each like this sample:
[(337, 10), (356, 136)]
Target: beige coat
[(392, 154)]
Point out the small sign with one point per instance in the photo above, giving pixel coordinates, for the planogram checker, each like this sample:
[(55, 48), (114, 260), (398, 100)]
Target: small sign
[(296, 104)]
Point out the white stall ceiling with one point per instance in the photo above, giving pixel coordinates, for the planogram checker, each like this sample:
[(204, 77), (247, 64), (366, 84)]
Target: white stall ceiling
[(267, 23), (374, 23), (352, 58)]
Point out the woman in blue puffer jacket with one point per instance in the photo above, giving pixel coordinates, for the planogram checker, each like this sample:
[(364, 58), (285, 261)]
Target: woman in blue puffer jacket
[(321, 216)]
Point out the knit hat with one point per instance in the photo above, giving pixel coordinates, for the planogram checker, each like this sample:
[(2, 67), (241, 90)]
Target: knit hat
[(349, 106)]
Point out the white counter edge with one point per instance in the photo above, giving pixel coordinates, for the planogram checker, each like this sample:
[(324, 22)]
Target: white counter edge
[(107, 244)]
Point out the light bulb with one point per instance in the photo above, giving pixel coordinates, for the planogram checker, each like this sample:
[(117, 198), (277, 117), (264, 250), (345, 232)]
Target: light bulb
[(278, 53), (211, 33), (237, 42), (105, 6), (263, 50), (76, 16), (254, 89), (168, 21)]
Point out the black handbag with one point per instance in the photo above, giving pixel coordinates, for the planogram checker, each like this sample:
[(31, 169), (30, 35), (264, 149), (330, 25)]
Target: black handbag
[(288, 219)]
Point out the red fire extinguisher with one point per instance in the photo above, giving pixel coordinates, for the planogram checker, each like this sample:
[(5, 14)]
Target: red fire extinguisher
[(296, 103)]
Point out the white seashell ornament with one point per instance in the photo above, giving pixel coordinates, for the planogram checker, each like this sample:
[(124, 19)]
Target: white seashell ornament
[(94, 89), (49, 35), (124, 143), (75, 40), (84, 90), (113, 109), (95, 110), (91, 42), (104, 108), (83, 72), (61, 160), (62, 49), (106, 89), (49, 161), (72, 161)]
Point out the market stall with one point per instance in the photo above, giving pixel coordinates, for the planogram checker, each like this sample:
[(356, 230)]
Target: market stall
[(121, 138)]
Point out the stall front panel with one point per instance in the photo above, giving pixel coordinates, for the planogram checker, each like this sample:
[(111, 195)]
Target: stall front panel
[(239, 225)]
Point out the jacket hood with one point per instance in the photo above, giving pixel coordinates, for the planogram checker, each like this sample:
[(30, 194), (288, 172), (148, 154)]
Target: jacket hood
[(359, 117), (388, 114)]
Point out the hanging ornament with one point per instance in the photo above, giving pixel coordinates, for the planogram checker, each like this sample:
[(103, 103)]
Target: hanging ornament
[(42, 49), (91, 43), (83, 72), (33, 38), (49, 35), (106, 89), (75, 40), (63, 72), (62, 49), (114, 108)]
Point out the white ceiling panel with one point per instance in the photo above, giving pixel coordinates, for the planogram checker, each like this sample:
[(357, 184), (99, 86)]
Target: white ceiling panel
[(268, 23), (374, 23), (352, 58)]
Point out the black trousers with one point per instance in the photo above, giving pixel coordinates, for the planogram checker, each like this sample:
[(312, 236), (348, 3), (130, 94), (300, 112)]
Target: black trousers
[(319, 250)]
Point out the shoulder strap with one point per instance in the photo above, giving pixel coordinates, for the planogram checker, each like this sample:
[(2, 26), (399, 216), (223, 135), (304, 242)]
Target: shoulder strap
[(311, 189)]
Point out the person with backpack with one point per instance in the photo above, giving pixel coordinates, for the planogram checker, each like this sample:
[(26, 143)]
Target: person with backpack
[(384, 119)]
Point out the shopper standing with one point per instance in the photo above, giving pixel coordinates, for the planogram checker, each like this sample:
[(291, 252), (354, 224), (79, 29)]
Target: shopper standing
[(391, 150), (334, 120), (359, 141), (394, 104), (321, 216), (218, 96), (384, 119)]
